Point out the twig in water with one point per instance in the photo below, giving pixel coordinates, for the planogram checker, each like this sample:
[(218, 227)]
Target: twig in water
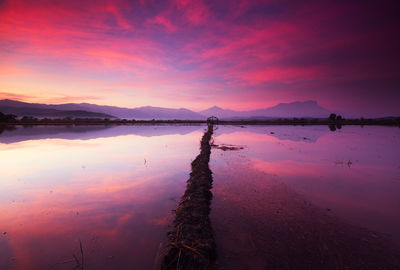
[(83, 259), (80, 264), (179, 257)]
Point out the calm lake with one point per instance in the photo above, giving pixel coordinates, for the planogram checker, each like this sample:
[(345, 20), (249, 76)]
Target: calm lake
[(109, 192)]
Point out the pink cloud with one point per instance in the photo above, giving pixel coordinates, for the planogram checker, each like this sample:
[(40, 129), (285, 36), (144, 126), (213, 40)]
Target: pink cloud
[(161, 20), (249, 51), (14, 96), (196, 12)]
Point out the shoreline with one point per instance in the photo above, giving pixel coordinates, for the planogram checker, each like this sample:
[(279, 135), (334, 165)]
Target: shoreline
[(348, 122)]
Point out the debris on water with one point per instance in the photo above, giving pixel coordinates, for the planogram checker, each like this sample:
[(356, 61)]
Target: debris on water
[(272, 132), (4, 233), (328, 209), (227, 147), (349, 163), (339, 162)]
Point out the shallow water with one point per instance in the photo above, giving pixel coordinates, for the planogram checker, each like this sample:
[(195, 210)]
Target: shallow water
[(111, 188), (289, 187), (296, 195)]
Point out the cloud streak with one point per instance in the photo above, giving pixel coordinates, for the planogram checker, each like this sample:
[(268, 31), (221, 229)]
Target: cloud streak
[(194, 54)]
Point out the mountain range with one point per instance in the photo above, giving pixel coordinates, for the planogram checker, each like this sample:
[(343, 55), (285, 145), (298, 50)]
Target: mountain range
[(306, 109)]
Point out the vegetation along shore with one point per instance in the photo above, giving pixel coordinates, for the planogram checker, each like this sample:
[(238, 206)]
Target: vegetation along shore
[(333, 121)]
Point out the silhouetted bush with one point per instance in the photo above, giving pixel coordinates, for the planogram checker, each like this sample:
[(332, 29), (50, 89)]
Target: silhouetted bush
[(28, 119), (332, 117), (7, 118)]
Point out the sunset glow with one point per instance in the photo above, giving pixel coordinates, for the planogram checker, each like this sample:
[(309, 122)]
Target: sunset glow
[(199, 134), (195, 54)]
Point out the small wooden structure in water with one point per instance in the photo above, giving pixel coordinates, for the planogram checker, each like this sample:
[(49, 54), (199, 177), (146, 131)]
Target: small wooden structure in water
[(212, 120)]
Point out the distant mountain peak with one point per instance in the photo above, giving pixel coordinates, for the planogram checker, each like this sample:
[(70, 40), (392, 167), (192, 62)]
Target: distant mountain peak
[(308, 108)]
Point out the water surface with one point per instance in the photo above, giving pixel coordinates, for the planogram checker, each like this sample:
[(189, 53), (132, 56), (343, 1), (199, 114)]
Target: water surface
[(305, 196), (110, 188), (299, 196)]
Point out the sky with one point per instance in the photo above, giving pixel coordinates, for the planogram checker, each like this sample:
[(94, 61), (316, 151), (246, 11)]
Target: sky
[(236, 54)]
